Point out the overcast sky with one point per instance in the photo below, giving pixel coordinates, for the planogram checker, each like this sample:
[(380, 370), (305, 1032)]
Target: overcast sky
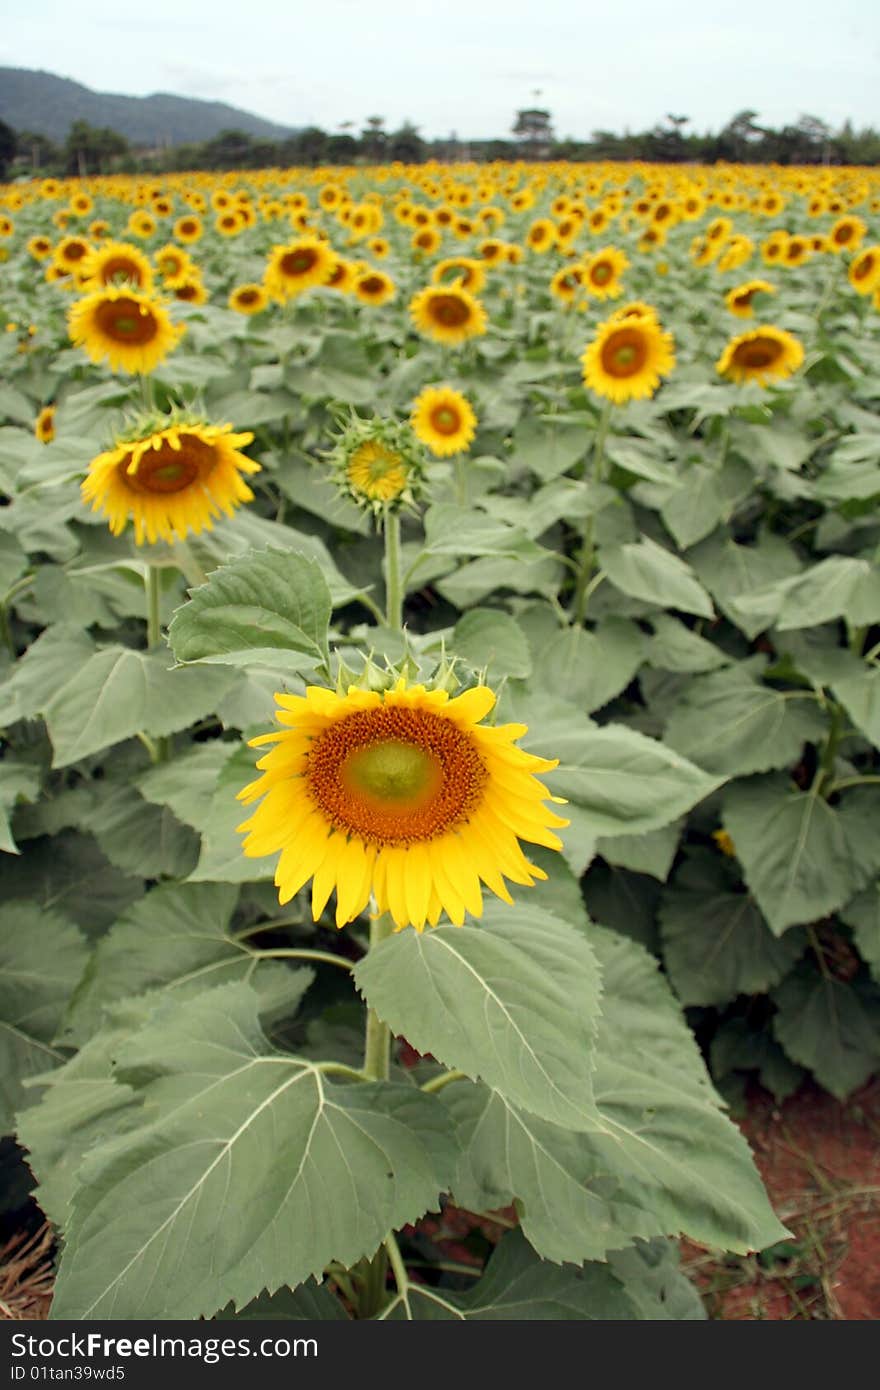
[(468, 65)]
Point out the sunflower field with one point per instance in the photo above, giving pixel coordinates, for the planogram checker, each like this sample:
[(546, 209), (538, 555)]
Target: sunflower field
[(440, 709)]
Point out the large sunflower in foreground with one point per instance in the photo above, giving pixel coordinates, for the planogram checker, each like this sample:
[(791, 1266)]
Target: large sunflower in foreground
[(627, 358), (759, 355), (170, 481), (443, 419), (447, 313), (128, 330), (401, 795)]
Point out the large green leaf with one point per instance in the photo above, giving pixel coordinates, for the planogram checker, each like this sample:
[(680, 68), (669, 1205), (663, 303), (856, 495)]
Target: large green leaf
[(801, 857), (518, 1286), (222, 859), (119, 692), (705, 497), (250, 1171), (176, 938), (860, 697), (716, 942), (452, 530), (45, 666), (549, 446), (647, 571), (831, 1027), (729, 723), (139, 837), (732, 572), (488, 637), (658, 1158), (590, 668), (863, 915), (42, 956), (18, 780), (838, 587), (512, 1001), (675, 647), (268, 608), (623, 782)]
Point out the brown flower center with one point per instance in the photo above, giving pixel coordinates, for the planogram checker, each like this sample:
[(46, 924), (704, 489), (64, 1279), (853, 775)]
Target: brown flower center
[(449, 310), (394, 775), (126, 321), (625, 353), (166, 469), (298, 262), (445, 419), (758, 354)]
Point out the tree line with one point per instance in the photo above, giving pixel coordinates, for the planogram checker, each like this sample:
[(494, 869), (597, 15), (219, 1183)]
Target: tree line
[(744, 139)]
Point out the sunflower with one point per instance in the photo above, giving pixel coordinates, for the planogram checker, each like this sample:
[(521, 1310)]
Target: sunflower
[(443, 419), (371, 286), (170, 481), (379, 247), (188, 228), (626, 359), (602, 271), (864, 270), (541, 236), (739, 299), (44, 425), (229, 223), (40, 247), (128, 330), (796, 250), (402, 795), (426, 240), (141, 224), (566, 283), (376, 473), (447, 313), (248, 299), (173, 264), (117, 261), (847, 234), (71, 252), (190, 290), (297, 266), (760, 354), (465, 270), (635, 309), (342, 276)]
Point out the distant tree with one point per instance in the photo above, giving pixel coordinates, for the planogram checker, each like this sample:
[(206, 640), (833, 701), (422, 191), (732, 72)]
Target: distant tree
[(8, 146), (342, 149), (90, 149), (231, 149), (308, 146), (374, 138), (534, 130), (37, 151), (406, 144)]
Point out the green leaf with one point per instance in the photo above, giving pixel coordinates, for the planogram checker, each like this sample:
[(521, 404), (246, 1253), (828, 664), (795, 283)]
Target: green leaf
[(716, 943), (518, 1286), (548, 446), (267, 608), (193, 1208), (17, 780), (830, 1027), (838, 587), (732, 573), (590, 668), (70, 868), (452, 530), (536, 573), (675, 647), (730, 724), (44, 667), (176, 939), (188, 784), (119, 692), (658, 1158), (650, 853), (624, 783), (311, 1302), (645, 570), (801, 857), (222, 859), (42, 956), (739, 1046), (141, 838), (512, 1001), (488, 637), (860, 697), (863, 915), (705, 497)]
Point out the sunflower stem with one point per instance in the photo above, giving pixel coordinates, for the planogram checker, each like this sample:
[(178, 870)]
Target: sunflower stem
[(377, 1044), (588, 550), (161, 748), (393, 581), (188, 565)]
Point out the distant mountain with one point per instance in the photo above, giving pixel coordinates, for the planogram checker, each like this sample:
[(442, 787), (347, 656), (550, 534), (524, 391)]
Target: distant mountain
[(46, 104)]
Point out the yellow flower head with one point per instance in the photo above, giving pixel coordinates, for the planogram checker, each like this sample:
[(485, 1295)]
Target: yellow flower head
[(297, 267), (116, 262), (864, 270), (739, 299), (447, 313), (170, 481), (759, 355), (443, 419), (377, 463), (601, 274), (44, 425), (627, 358), (400, 795), (369, 286), (128, 330), (248, 299)]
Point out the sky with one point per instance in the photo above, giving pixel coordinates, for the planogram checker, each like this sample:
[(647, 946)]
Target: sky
[(467, 66)]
